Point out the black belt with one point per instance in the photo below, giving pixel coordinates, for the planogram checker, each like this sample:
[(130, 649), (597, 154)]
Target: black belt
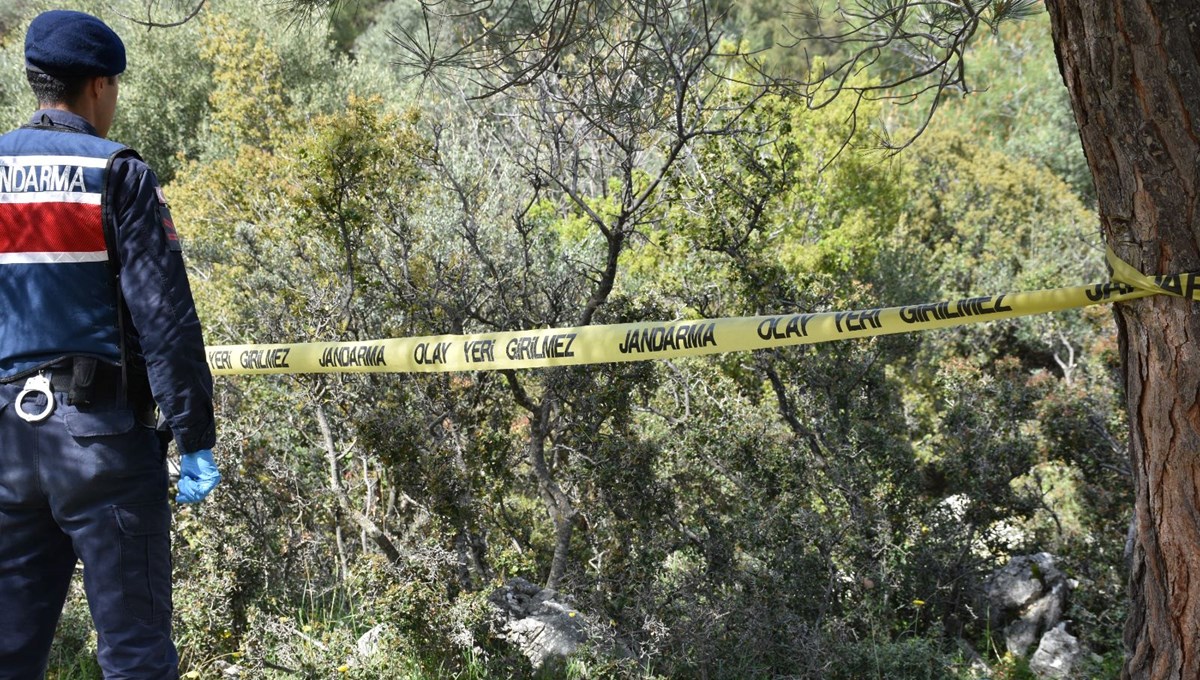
[(60, 379), (82, 379)]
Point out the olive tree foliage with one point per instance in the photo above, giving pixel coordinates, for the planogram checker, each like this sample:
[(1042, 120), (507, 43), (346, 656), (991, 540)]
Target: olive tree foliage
[(523, 222), (935, 36), (916, 49), (702, 506), (372, 486), (1018, 104), (179, 61), (10, 15), (602, 116), (932, 442), (604, 101)]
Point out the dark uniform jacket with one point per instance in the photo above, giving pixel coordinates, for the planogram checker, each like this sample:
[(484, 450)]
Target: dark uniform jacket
[(61, 185)]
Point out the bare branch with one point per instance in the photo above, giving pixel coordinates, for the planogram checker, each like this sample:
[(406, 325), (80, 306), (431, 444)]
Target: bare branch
[(929, 37), (149, 21)]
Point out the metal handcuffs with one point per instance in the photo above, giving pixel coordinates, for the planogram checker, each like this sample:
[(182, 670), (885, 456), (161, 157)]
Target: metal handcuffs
[(35, 385)]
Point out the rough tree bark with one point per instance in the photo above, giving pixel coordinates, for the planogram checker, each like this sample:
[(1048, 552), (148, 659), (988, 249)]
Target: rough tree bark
[(1133, 71)]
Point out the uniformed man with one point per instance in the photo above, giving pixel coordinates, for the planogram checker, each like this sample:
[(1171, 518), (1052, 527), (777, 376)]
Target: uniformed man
[(97, 329)]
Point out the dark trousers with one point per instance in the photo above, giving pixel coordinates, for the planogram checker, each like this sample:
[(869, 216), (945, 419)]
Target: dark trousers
[(87, 484)]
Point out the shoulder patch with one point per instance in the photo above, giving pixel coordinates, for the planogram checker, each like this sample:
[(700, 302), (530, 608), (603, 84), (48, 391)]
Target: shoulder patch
[(164, 219)]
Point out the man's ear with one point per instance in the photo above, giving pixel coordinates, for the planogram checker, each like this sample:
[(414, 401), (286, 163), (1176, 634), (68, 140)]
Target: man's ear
[(96, 86), (88, 93)]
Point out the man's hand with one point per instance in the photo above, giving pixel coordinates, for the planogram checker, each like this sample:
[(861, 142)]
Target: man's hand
[(198, 476)]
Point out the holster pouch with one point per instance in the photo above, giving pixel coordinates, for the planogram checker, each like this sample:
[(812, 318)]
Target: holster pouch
[(83, 381)]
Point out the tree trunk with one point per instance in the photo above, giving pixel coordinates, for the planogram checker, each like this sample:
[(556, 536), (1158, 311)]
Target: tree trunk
[(557, 502), (1133, 72)]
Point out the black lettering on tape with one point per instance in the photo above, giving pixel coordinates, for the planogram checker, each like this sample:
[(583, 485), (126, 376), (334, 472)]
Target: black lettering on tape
[(941, 311), (479, 351), (774, 328), (220, 360), (531, 347), (857, 320), (264, 359), (673, 337), (348, 356), (1103, 291)]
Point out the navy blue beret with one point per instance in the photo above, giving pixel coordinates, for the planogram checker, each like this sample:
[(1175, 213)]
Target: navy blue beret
[(65, 43)]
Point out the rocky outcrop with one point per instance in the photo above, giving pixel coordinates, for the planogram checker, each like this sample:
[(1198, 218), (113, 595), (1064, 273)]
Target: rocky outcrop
[(538, 622), (1026, 601)]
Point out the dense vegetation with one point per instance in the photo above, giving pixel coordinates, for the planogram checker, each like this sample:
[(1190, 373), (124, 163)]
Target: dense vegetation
[(818, 512)]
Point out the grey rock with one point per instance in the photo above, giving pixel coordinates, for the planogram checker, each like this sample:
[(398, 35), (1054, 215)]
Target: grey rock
[(1041, 615), (534, 619), (1057, 653), (1022, 580), (368, 644), (1021, 635), (1026, 598), (228, 670)]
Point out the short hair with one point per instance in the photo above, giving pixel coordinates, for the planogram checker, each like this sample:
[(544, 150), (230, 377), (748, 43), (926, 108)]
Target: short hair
[(51, 90)]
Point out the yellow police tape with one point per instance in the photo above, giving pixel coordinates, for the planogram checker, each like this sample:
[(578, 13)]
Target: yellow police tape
[(664, 340)]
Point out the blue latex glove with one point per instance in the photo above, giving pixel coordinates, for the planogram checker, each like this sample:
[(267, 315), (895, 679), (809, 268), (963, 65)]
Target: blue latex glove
[(198, 476)]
